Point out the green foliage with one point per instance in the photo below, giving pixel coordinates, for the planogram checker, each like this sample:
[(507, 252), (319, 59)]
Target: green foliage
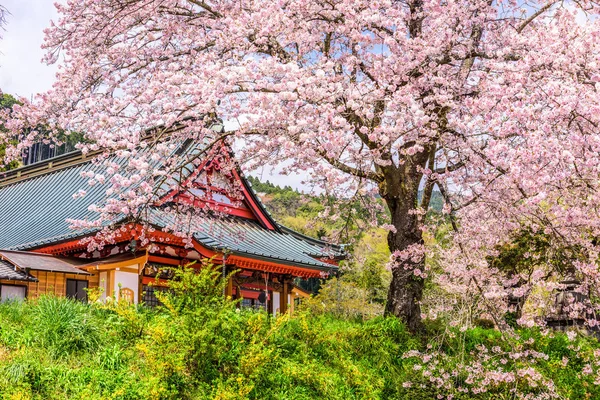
[(529, 249), (361, 290), (64, 326), (200, 346), (7, 101)]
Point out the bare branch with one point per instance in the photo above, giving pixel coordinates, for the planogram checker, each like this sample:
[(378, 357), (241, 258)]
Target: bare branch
[(535, 15), (207, 8), (449, 168), (348, 169)]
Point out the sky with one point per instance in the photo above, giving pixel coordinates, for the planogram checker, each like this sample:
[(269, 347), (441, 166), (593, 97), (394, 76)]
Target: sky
[(22, 72)]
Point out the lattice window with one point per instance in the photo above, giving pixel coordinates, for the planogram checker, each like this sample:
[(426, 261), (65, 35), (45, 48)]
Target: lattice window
[(149, 294)]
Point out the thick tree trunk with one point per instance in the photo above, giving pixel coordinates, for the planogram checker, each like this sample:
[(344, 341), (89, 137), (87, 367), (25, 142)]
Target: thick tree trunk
[(400, 190), (406, 289)]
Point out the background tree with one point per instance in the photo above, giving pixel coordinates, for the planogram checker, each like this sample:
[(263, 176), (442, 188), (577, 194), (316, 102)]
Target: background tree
[(6, 103), (493, 102)]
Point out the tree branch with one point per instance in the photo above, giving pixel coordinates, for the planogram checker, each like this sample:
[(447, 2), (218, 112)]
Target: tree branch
[(207, 8), (451, 168), (535, 15), (428, 190), (348, 169)]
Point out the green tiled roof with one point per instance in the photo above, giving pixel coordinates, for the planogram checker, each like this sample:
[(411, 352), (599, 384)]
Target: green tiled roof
[(245, 237), (34, 210)]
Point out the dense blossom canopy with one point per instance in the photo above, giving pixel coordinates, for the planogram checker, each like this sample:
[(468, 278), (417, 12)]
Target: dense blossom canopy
[(496, 103)]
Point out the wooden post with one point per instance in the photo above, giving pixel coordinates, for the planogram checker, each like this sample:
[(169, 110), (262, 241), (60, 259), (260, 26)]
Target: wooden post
[(229, 288), (270, 302), (283, 298), (110, 287)]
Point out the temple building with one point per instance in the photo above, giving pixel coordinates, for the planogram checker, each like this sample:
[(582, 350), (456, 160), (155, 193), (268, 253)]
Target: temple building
[(40, 253)]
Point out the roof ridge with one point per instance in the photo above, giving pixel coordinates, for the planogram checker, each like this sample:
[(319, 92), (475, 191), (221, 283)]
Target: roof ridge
[(27, 252)]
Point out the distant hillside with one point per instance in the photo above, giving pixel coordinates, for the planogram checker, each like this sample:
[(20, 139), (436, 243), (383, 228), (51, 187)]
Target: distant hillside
[(283, 201)]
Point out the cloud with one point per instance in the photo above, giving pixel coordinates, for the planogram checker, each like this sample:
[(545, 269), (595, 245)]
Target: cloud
[(21, 70)]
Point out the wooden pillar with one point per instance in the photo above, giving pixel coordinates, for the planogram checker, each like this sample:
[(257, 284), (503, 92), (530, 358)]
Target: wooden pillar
[(283, 298), (292, 302), (110, 286), (140, 286), (270, 304), (229, 288)]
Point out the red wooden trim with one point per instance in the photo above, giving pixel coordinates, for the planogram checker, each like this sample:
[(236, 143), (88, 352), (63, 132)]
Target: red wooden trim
[(164, 260), (179, 193), (146, 280), (169, 196), (132, 231), (328, 260), (206, 252), (250, 294), (214, 205), (253, 205), (250, 263), (65, 247)]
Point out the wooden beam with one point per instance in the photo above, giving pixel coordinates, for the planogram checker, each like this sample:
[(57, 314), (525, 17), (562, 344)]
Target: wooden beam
[(132, 263), (267, 266)]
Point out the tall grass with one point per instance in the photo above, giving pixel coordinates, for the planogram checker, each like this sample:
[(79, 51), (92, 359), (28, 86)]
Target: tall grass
[(64, 326)]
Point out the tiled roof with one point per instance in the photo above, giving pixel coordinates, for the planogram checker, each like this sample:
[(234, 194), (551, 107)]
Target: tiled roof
[(9, 272), (248, 238), (34, 211), (43, 262), (35, 204)]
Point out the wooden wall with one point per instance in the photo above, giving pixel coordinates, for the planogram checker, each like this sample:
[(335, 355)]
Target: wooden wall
[(55, 282), (13, 282)]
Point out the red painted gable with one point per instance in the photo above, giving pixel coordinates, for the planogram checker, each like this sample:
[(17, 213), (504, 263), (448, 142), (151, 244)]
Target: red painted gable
[(216, 184)]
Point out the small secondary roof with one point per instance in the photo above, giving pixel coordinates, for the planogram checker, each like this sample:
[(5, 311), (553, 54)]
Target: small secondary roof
[(42, 262), (9, 272), (248, 238)]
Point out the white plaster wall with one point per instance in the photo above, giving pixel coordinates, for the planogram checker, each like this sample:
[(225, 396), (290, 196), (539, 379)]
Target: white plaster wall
[(127, 280), (275, 303)]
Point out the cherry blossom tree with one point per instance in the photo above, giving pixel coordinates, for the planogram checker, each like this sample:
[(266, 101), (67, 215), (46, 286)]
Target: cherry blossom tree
[(493, 102)]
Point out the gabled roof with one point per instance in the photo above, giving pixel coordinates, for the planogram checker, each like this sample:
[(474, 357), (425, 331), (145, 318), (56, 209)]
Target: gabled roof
[(9, 272), (43, 262), (37, 200)]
